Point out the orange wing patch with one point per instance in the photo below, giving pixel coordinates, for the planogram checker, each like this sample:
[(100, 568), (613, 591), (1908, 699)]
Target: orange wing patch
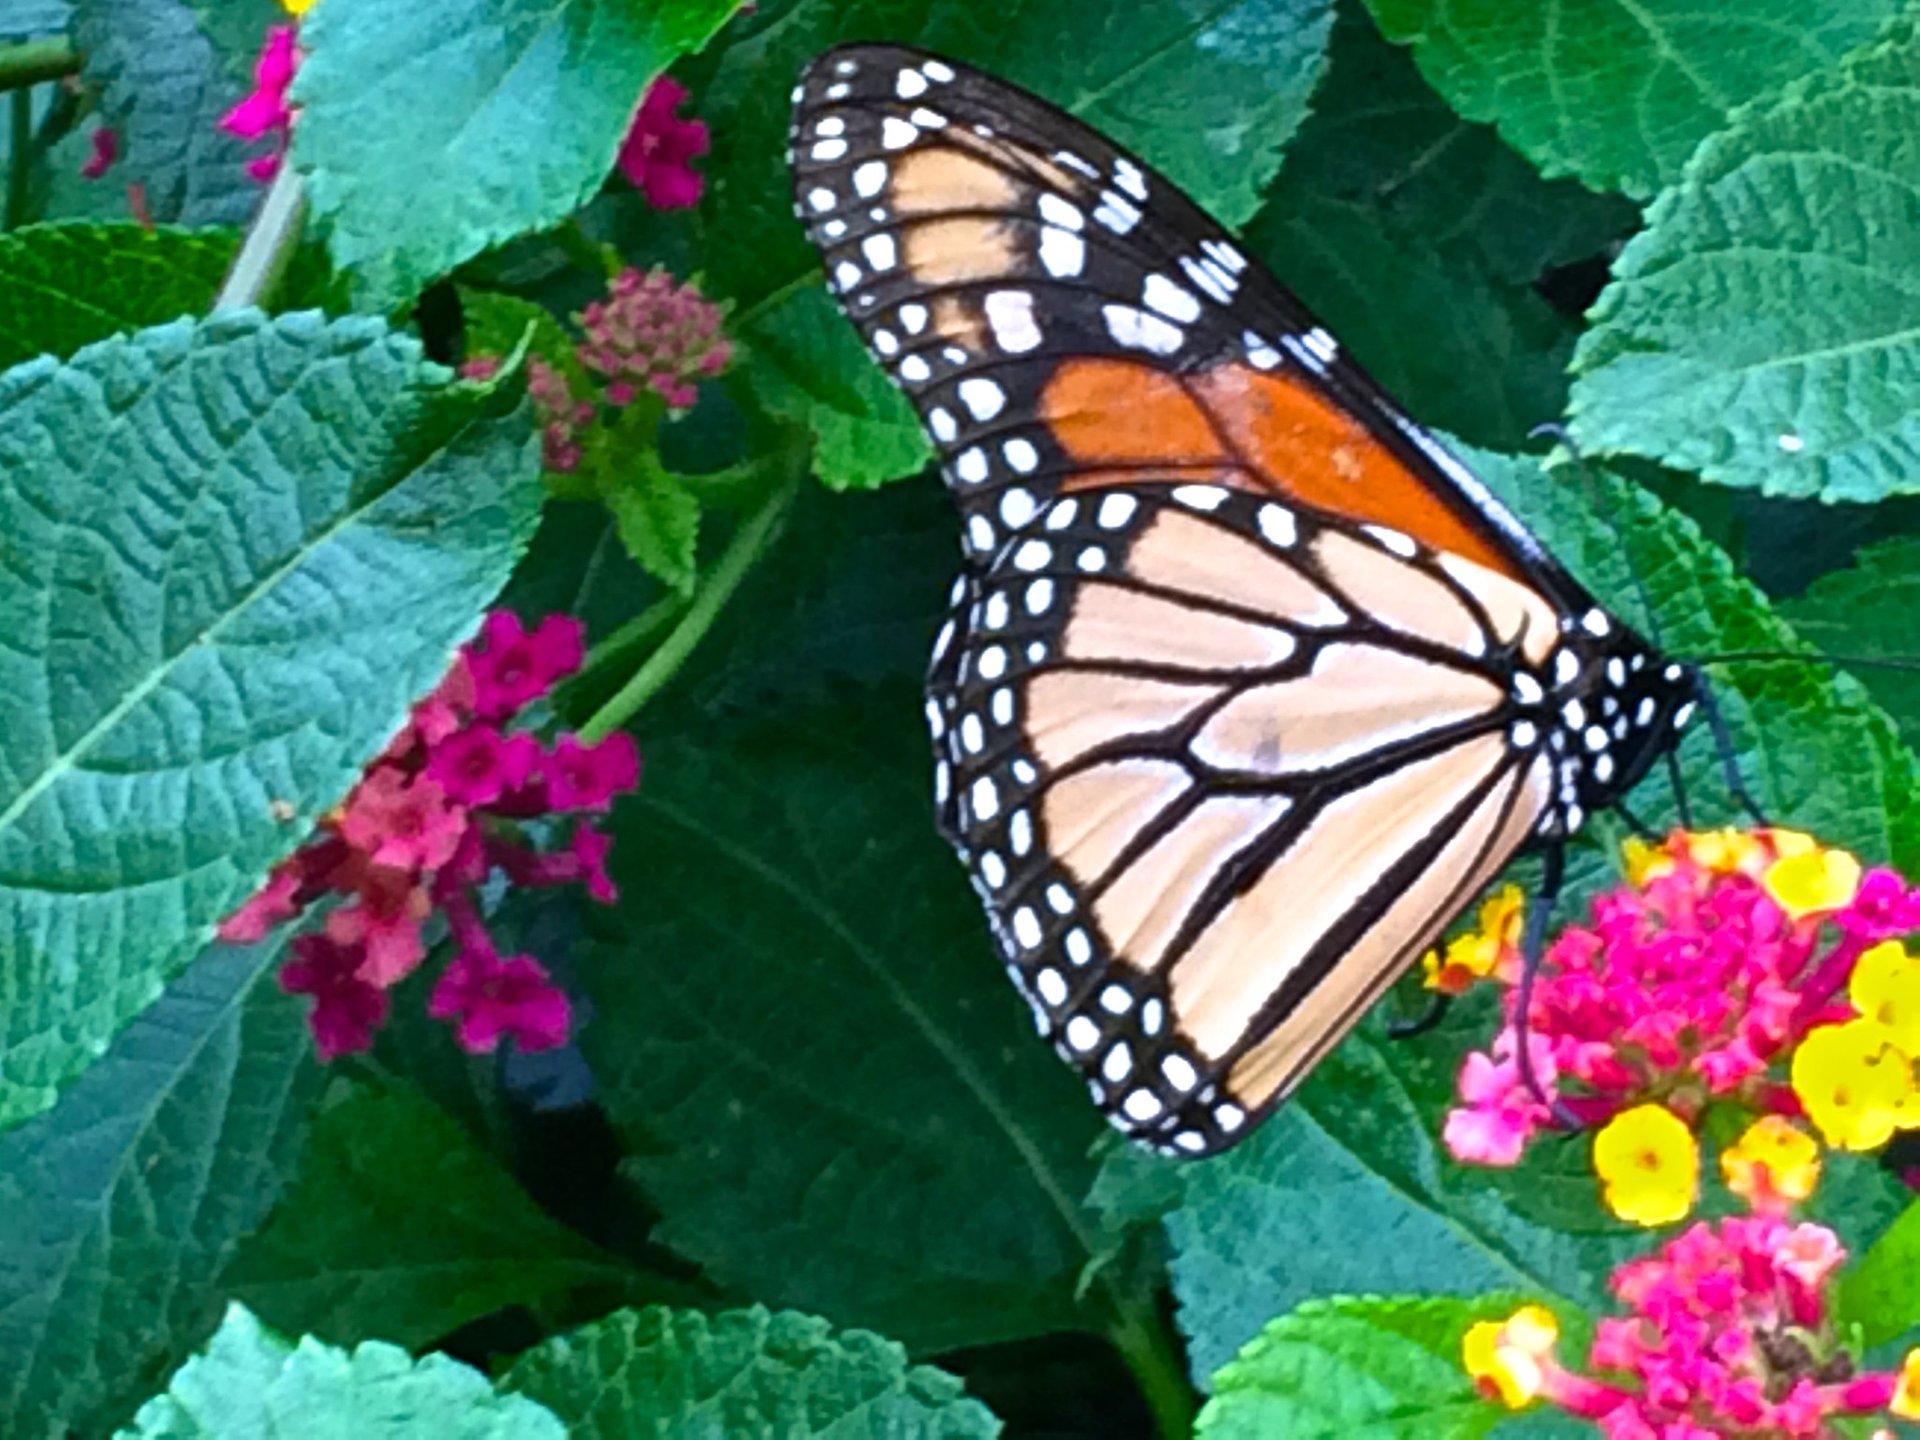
[(1263, 430)]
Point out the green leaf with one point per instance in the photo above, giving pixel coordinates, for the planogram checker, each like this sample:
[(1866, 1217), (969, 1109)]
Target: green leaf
[(1618, 92), (1347, 1188), (1210, 93), (250, 1383), (808, 366), (1491, 360), (120, 1207), (657, 518), (235, 553), (1869, 610), (679, 1374), (399, 1226), (1763, 331), (1380, 137), (237, 29), (1375, 1367), (69, 285), (164, 89), (1880, 1292), (831, 1092), (435, 130)]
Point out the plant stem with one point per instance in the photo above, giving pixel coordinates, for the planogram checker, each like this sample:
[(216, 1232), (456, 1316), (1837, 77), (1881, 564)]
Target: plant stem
[(643, 628), (1140, 1335), (747, 545), (32, 61), (19, 160), (268, 249)]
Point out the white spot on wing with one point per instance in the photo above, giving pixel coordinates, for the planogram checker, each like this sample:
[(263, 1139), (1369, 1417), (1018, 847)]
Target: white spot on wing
[(1063, 254), (1137, 330), (1170, 300), (870, 179), (1010, 315)]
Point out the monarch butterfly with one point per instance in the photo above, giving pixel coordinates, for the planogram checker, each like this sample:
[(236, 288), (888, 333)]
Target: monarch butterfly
[(1248, 685)]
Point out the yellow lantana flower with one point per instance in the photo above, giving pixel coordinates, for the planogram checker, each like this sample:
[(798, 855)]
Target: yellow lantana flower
[(1885, 986), (1480, 952), (1645, 860), (1505, 1357), (1855, 1084), (1648, 1164), (298, 7), (1810, 879), (1906, 1391), (1728, 852), (1773, 1158)]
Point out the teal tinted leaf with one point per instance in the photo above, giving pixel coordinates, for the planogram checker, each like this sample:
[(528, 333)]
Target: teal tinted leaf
[(432, 131), (809, 367), (30, 19), (1880, 1292), (237, 29), (1386, 1368), (1491, 360), (1208, 93), (250, 1383), (682, 1375), (1348, 1189), (400, 1226), (1618, 92), (164, 89), (69, 285), (1380, 137), (830, 1091), (1764, 331), (120, 1207), (235, 553), (1869, 610)]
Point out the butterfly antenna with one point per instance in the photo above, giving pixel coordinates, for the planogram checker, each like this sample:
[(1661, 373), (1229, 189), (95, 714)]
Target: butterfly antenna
[(1729, 759), (1533, 942)]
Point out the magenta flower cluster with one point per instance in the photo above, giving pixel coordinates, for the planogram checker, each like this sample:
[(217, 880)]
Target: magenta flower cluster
[(446, 806), (653, 333), (264, 114), (658, 152)]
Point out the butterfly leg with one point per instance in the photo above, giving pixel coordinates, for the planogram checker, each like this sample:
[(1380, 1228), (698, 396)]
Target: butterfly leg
[(1532, 948), (1680, 805), (1639, 826), (1729, 761)]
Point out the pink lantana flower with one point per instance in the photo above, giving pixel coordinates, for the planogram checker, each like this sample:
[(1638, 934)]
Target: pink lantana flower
[(105, 142), (263, 113), (443, 809), (1688, 984), (653, 333), (660, 148)]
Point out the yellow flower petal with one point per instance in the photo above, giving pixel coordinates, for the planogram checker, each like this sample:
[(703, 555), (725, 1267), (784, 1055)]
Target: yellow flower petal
[(1648, 1164), (1505, 1357), (1725, 852), (1906, 1392), (1774, 1157), (1885, 986), (298, 7), (1477, 954), (1854, 1082), (1644, 861), (1813, 882)]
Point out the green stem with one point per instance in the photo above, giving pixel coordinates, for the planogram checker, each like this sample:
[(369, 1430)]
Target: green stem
[(19, 161), (747, 545), (1141, 1337), (32, 61), (642, 629), (269, 248)]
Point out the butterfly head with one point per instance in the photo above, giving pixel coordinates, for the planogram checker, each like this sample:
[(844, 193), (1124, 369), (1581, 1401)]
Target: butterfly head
[(1614, 706)]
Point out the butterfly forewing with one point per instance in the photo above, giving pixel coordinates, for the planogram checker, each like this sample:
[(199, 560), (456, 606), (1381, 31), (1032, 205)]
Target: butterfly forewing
[(1248, 685)]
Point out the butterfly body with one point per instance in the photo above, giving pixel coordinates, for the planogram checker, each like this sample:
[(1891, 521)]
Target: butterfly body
[(1248, 684)]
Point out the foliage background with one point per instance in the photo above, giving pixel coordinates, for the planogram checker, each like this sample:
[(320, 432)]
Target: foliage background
[(805, 1112)]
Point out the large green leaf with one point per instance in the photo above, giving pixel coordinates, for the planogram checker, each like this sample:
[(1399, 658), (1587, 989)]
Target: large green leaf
[(1869, 610), (163, 88), (399, 1226), (234, 554), (250, 1384), (1765, 330), (1347, 1189), (1380, 137), (830, 1091), (26, 19), (746, 1375), (1385, 1368), (68, 285), (120, 1206), (434, 130), (1618, 92), (1880, 1292), (1208, 91)]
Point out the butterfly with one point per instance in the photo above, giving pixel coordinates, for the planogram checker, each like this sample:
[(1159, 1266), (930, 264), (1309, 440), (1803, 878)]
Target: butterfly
[(1248, 686)]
